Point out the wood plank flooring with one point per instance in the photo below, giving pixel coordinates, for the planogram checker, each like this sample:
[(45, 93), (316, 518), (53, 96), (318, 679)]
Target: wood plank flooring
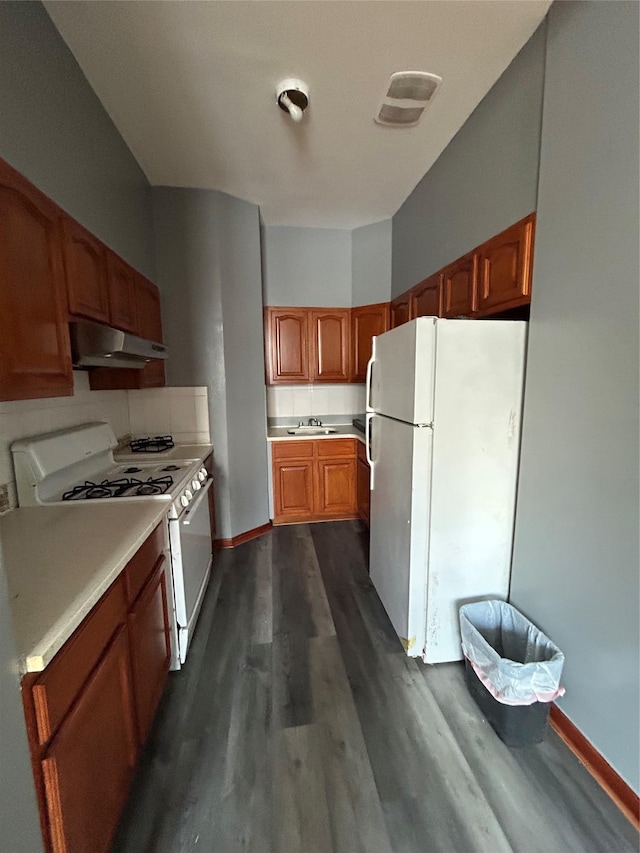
[(298, 725)]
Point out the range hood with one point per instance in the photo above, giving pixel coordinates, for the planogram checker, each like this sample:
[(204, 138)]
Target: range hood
[(95, 345)]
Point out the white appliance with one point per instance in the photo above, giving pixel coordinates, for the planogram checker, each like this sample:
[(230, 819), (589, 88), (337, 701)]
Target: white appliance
[(77, 465), (444, 402)]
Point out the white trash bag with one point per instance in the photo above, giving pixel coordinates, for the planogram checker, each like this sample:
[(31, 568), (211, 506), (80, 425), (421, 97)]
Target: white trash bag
[(516, 662)]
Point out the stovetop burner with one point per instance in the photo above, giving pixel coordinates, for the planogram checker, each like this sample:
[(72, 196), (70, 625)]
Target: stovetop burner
[(122, 487), (132, 470), (170, 468), (152, 445)]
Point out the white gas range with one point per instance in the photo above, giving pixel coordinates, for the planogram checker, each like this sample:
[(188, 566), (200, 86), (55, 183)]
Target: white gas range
[(78, 465)]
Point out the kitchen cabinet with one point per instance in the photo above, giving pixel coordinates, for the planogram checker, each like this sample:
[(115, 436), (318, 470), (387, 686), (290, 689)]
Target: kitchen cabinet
[(89, 711), (314, 480), (400, 310), (330, 335), (426, 298), (35, 355), (505, 271), (287, 345), (366, 322), (86, 273), (459, 286), (122, 306), (362, 484)]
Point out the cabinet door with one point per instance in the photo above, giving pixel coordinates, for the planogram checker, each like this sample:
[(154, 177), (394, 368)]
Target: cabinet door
[(459, 284), (366, 322), (287, 343), (35, 355), (122, 307), (292, 490), (86, 273), (362, 485), (88, 767), (330, 345), (426, 298), (150, 648), (506, 267), (400, 310), (336, 488), (149, 326)]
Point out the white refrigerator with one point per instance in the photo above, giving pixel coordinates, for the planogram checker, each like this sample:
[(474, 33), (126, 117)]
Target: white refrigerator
[(444, 403)]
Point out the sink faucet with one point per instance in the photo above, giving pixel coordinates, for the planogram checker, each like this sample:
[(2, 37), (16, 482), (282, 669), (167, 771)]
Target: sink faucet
[(315, 422)]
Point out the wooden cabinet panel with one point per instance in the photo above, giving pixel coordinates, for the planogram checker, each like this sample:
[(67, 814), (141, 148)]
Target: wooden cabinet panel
[(122, 305), (292, 449), (330, 345), (332, 447), (86, 273), (89, 765), (293, 490), (459, 284), (400, 310), (366, 322), (140, 567), (62, 680), (362, 484), (287, 343), (336, 488), (150, 647), (506, 268), (426, 298), (35, 355)]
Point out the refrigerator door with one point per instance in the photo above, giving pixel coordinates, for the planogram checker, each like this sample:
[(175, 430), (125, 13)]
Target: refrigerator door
[(401, 372), (400, 507)]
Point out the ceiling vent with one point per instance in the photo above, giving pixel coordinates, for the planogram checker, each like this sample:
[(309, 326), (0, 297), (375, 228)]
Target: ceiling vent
[(408, 95)]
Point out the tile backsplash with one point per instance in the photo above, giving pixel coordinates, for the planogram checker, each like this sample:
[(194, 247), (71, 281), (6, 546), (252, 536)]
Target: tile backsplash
[(181, 411), (303, 401)]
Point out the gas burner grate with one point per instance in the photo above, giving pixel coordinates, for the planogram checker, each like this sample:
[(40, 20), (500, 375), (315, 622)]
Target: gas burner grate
[(152, 445), (122, 487)]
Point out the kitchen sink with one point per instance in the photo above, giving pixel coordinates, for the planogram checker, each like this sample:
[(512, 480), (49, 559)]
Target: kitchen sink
[(311, 430)]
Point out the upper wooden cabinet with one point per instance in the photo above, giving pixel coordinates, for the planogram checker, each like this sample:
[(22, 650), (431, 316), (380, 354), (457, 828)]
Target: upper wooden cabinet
[(400, 310), (366, 322), (459, 286), (506, 267), (122, 297), (330, 333), (426, 298), (86, 273), (35, 355), (287, 345)]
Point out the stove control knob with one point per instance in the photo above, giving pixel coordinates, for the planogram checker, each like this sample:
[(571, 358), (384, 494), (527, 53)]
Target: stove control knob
[(195, 485), (184, 500), (188, 494), (202, 475)]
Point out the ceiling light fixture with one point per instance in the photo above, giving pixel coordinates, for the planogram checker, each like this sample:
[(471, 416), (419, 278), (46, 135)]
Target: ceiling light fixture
[(293, 97)]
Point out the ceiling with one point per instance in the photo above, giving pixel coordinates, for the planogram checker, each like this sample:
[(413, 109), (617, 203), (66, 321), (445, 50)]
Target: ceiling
[(191, 88)]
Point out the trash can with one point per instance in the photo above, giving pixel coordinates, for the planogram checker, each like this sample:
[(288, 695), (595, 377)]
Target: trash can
[(512, 670)]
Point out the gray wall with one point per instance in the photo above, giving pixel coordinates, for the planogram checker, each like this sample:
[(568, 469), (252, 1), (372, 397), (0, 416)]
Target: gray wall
[(55, 131), (19, 822), (371, 263), (208, 261), (306, 266), (484, 181), (575, 566)]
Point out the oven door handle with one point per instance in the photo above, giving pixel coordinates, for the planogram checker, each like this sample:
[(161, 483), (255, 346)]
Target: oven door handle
[(194, 506)]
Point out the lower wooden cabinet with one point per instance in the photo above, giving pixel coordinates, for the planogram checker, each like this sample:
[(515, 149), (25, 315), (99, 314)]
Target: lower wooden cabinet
[(89, 765), (362, 484), (314, 480), (89, 711)]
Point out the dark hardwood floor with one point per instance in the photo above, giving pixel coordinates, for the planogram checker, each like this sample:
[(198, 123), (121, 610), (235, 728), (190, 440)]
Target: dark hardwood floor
[(299, 725)]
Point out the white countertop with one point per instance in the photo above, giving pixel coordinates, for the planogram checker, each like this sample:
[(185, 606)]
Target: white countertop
[(341, 431), (59, 560)]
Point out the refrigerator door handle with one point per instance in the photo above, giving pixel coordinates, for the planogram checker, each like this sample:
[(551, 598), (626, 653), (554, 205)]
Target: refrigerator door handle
[(367, 435), (369, 377)]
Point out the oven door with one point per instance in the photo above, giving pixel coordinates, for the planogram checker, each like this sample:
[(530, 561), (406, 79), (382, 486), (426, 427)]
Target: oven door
[(191, 555)]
